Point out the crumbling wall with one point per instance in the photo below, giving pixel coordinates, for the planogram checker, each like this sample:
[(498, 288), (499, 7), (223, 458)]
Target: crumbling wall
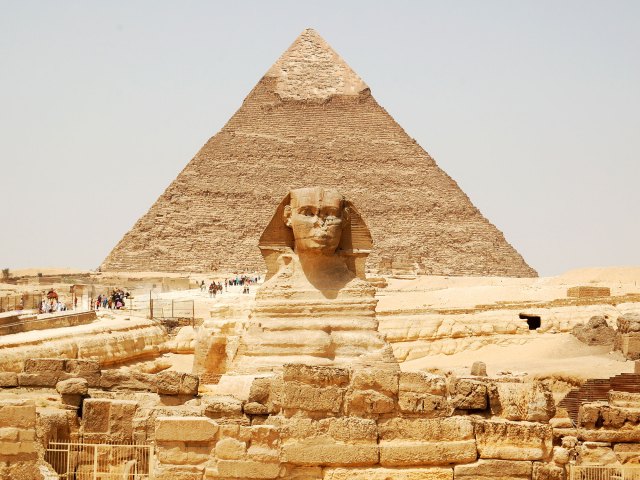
[(18, 454)]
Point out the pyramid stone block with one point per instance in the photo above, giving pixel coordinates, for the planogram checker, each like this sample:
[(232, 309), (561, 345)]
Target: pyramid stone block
[(311, 120)]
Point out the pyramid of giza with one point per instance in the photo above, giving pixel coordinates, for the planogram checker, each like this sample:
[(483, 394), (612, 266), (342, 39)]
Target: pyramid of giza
[(312, 121)]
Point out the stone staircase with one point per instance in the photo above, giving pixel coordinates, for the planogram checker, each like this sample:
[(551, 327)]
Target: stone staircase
[(597, 389)]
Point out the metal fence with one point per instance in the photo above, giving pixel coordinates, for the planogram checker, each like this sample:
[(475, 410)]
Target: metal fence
[(101, 461), (171, 309), (606, 472)]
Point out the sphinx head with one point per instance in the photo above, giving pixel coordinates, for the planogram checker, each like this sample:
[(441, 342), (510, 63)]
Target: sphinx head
[(316, 217)]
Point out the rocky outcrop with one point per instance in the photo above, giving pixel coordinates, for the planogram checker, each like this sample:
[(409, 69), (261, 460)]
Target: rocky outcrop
[(596, 332)]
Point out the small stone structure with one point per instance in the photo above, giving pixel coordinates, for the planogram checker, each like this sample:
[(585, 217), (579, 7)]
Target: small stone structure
[(627, 338), (587, 292)]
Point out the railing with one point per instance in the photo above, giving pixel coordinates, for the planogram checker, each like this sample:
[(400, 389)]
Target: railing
[(101, 461), (169, 309), (604, 472)]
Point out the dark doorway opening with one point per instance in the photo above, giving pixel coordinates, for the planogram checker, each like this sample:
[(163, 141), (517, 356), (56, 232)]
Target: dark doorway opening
[(533, 321)]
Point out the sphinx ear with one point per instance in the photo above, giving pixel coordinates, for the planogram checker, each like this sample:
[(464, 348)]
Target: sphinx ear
[(286, 215)]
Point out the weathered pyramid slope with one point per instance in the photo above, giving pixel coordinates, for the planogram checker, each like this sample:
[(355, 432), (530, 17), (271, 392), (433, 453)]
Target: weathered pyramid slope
[(311, 121)]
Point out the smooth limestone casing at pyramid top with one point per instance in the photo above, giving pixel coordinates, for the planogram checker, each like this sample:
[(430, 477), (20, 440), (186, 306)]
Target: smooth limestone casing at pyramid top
[(311, 120)]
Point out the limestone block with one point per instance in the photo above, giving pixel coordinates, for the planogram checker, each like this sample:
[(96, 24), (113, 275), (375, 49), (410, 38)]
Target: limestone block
[(113, 419), (468, 394), (561, 455), (179, 453), (314, 452), (96, 413), (41, 379), (87, 369), (341, 429), (621, 435), (40, 365), (17, 413), (421, 441), (479, 369), (128, 380), (73, 386), (263, 454), (254, 408), (329, 441), (368, 402), (627, 452), (430, 406), (300, 396), (545, 471), (224, 409), (230, 449), (185, 429), (9, 434), (624, 399), (430, 473), (629, 323), (383, 380), (260, 390), (422, 382), (247, 469), (176, 383), (507, 440), (596, 453), (569, 441), (531, 402), (600, 417), (265, 435), (8, 379), (407, 453), (177, 472), (493, 470), (303, 473), (431, 430), (315, 375)]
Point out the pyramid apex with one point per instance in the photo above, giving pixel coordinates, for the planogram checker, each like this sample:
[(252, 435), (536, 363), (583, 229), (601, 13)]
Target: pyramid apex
[(311, 69)]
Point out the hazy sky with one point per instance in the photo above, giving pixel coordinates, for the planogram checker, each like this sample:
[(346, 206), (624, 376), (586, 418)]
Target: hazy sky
[(533, 107)]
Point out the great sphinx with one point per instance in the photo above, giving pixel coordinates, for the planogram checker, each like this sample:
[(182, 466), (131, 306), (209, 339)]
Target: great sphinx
[(315, 306)]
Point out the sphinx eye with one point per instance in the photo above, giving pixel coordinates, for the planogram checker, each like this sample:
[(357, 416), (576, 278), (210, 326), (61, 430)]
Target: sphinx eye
[(307, 212)]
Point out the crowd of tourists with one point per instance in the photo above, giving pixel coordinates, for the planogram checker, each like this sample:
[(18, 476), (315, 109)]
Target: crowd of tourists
[(239, 280), (115, 300)]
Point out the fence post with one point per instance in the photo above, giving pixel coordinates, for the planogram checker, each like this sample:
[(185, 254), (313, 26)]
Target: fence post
[(66, 476), (95, 461)]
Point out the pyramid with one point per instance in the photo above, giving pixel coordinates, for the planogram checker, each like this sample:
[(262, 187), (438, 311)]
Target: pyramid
[(312, 121)]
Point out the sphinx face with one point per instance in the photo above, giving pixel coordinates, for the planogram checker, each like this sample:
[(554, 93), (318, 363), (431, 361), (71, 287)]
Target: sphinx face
[(315, 216)]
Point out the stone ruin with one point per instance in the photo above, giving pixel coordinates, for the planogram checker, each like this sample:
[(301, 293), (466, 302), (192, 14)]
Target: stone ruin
[(316, 423), (326, 399)]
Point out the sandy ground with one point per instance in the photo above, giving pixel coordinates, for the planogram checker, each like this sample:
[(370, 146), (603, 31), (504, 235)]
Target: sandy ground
[(430, 292), (547, 355), (541, 355)]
